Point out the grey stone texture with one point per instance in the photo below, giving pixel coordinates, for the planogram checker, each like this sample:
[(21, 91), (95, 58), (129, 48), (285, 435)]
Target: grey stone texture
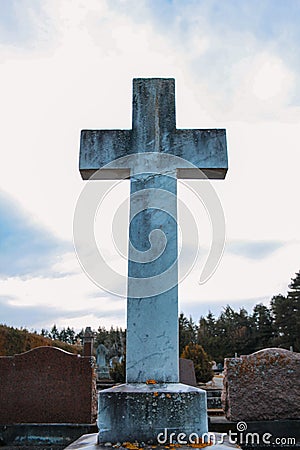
[(152, 351), (153, 130), (262, 386), (152, 324), (154, 153), (89, 442), (143, 411)]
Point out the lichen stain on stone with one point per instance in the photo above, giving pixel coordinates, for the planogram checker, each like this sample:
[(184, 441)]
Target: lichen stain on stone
[(266, 375)]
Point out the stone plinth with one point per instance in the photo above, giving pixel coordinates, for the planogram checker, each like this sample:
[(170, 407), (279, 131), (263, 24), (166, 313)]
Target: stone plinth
[(262, 386), (139, 412)]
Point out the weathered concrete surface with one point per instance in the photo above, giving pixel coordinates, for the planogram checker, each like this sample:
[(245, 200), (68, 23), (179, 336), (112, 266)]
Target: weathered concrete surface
[(154, 130), (154, 154), (89, 442), (152, 324), (262, 386), (47, 385), (161, 153), (42, 435), (139, 412)]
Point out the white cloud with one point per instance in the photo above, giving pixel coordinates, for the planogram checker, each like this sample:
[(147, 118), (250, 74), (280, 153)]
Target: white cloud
[(69, 299), (264, 86), (240, 278), (76, 73), (271, 79)]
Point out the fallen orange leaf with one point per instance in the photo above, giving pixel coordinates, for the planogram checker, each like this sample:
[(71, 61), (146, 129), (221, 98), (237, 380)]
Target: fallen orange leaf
[(151, 382)]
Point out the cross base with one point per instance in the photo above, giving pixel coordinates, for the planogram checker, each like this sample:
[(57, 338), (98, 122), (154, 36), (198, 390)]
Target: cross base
[(150, 413)]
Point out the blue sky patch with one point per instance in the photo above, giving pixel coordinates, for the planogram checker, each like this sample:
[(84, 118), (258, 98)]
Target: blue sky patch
[(25, 248), (16, 21), (254, 249)]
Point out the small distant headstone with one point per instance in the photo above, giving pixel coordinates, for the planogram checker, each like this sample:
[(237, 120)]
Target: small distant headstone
[(88, 342), (102, 368), (220, 367), (262, 386), (187, 372), (214, 365)]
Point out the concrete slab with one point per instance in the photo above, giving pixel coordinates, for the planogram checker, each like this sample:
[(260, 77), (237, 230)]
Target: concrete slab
[(89, 442), (86, 442), (50, 436)]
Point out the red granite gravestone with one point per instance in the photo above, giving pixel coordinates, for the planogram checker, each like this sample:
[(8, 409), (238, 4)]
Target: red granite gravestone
[(262, 386), (47, 385), (187, 372)]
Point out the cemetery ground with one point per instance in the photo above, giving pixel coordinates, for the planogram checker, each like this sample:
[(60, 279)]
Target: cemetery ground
[(247, 375), (257, 395)]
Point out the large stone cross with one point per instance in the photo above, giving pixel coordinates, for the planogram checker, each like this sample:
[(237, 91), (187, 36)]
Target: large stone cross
[(157, 154)]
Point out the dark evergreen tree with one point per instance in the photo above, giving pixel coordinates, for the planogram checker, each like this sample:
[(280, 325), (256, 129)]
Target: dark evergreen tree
[(286, 314), (231, 333), (45, 333), (67, 335), (263, 327), (202, 364), (187, 332), (70, 336), (79, 337), (54, 333), (294, 298), (208, 337), (63, 336)]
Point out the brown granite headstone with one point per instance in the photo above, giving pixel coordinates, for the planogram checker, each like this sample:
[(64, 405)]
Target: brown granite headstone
[(47, 385), (187, 372), (262, 386)]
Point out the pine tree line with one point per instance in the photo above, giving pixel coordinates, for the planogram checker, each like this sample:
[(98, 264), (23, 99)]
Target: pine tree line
[(277, 325), (239, 332), (67, 335)]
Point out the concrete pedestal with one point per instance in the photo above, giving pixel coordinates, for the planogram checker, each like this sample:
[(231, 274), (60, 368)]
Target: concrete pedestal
[(151, 412)]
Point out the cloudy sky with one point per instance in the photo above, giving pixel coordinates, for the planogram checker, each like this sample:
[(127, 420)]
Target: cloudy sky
[(66, 65)]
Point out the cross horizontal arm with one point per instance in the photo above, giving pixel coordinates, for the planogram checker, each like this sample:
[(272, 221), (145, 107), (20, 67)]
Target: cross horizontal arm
[(153, 133), (99, 148), (204, 149)]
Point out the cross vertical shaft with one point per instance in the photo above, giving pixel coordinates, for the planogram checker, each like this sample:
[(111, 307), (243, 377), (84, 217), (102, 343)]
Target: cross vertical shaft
[(152, 330), (153, 114)]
